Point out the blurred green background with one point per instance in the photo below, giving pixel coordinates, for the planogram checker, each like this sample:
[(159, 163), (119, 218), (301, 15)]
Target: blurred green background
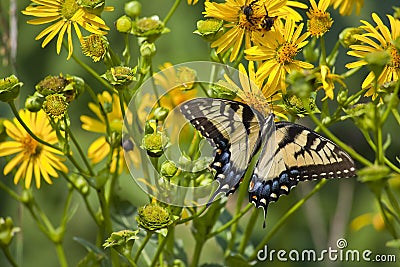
[(323, 220)]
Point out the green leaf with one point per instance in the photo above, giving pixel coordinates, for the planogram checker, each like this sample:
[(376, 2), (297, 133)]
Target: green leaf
[(95, 257), (373, 173), (395, 243), (236, 261)]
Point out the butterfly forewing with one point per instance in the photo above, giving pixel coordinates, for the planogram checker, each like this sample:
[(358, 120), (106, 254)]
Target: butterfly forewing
[(233, 129), (300, 154)]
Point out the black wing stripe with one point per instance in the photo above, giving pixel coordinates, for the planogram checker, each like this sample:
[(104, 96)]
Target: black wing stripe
[(306, 156), (233, 129)]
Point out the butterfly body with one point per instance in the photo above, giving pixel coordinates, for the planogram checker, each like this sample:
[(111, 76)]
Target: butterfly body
[(290, 152)]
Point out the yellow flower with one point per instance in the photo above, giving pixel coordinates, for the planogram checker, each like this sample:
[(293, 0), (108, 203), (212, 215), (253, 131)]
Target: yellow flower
[(33, 158), (327, 79), (66, 14), (346, 6), (319, 21), (178, 82), (248, 20), (374, 219), (278, 55), (377, 39), (100, 148)]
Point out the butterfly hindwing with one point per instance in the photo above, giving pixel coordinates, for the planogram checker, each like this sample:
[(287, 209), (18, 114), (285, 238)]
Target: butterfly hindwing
[(300, 154), (233, 129)]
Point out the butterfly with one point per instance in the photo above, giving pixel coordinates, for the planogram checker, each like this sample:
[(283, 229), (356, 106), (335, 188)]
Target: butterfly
[(289, 152)]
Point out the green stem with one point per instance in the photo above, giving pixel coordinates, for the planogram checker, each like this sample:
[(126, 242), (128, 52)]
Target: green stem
[(142, 245), (248, 231), (197, 214), (61, 255), (9, 191), (386, 219), (393, 201), (391, 103), (197, 252), (160, 248), (379, 139), (126, 53), (284, 218), (85, 199), (8, 255), (350, 72), (322, 59), (107, 222), (232, 221), (171, 11), (80, 152), (121, 102), (43, 217), (93, 73), (16, 114), (396, 115), (332, 54)]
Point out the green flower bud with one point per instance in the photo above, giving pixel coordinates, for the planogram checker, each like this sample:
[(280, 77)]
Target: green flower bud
[(123, 24), (342, 97), (9, 88), (154, 144), (373, 173), (55, 105), (160, 113), (122, 241), (363, 115), (396, 13), (311, 52), (93, 6), (348, 37), (133, 9), (186, 77), (120, 76), (95, 46), (178, 263), (80, 184), (7, 231), (377, 61), (301, 83), (75, 87), (210, 29), (295, 105), (204, 179), (153, 217), (149, 27), (51, 85), (34, 103), (223, 89), (168, 168), (147, 49), (150, 126), (27, 197)]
